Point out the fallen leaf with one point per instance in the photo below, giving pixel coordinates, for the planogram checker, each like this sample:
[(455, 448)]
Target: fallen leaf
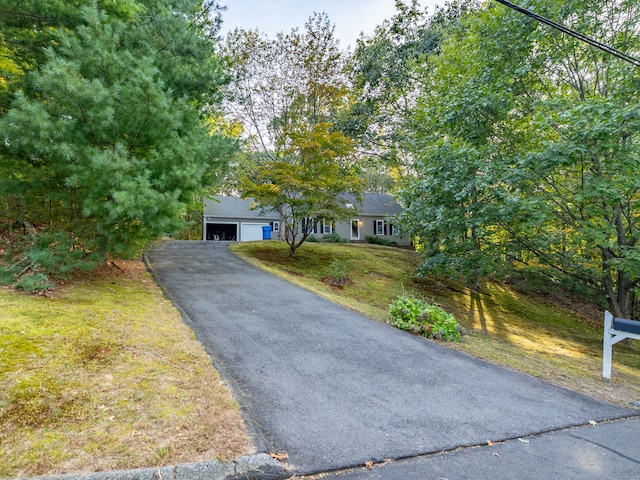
[(489, 442), (496, 455), (593, 422), (369, 465), (280, 456)]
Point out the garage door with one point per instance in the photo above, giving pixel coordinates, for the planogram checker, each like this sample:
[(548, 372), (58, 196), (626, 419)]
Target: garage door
[(222, 231), (251, 231)]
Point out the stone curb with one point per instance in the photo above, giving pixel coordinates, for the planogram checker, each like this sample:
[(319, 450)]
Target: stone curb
[(249, 467)]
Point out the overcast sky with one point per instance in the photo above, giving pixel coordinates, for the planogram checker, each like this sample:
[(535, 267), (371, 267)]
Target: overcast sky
[(350, 16)]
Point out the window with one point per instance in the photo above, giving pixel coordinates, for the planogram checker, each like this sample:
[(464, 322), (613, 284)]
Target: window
[(308, 227), (326, 227), (378, 227), (355, 229), (394, 231), (276, 226)]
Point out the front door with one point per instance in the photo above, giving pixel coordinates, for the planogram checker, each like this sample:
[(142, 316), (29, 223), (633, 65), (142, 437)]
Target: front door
[(355, 229)]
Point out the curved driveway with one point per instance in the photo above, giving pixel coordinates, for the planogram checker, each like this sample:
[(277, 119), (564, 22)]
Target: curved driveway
[(334, 389)]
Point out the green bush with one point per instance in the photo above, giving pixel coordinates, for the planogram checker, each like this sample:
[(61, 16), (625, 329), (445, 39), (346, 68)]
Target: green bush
[(8, 275), (33, 261), (59, 256), (35, 282), (339, 272), (417, 316), (312, 239), (380, 241), (332, 238)]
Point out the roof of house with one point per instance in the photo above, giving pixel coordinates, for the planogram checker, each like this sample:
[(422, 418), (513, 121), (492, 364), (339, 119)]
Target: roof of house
[(374, 204), (379, 204), (234, 207)]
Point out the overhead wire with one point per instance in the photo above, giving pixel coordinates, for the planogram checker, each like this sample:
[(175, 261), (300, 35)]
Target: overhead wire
[(611, 50)]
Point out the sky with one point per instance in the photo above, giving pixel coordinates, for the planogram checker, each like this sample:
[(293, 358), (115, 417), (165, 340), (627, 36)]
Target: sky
[(349, 16)]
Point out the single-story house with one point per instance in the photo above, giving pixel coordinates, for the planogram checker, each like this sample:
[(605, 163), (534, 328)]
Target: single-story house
[(231, 218)]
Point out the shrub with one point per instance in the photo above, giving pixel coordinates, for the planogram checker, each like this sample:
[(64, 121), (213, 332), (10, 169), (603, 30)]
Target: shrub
[(332, 238), (417, 316), (58, 256), (312, 239), (35, 282), (33, 261), (339, 272), (8, 274), (380, 241)]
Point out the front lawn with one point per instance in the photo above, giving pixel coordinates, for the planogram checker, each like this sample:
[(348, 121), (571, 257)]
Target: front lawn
[(103, 374)]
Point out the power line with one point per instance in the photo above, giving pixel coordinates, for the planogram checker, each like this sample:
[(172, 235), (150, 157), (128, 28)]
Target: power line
[(628, 58)]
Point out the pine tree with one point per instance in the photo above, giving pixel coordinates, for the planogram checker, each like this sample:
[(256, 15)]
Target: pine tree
[(108, 143)]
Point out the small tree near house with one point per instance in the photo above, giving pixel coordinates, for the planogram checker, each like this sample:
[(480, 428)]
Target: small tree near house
[(308, 184)]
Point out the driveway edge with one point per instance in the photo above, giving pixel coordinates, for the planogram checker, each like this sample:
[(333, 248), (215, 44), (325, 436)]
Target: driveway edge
[(249, 467), (260, 442)]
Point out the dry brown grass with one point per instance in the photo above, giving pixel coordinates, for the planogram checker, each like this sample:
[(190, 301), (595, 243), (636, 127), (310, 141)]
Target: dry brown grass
[(103, 374)]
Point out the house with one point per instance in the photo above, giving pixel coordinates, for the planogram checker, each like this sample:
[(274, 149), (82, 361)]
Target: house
[(231, 218)]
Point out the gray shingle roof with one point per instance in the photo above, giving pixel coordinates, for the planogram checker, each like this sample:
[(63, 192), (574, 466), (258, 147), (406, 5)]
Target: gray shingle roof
[(379, 204), (374, 204), (234, 207)]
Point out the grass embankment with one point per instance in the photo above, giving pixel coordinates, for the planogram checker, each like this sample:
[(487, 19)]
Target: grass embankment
[(559, 341), (103, 374)]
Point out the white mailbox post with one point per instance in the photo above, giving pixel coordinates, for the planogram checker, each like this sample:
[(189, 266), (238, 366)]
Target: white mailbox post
[(616, 330)]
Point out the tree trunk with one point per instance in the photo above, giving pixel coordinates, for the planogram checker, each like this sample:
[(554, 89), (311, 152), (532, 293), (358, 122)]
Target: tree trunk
[(625, 294), (619, 294)]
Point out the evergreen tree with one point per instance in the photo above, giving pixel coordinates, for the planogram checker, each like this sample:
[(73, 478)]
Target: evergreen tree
[(107, 143)]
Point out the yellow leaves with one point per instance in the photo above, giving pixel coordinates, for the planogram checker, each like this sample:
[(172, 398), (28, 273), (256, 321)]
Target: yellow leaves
[(218, 125), (10, 71), (320, 141)]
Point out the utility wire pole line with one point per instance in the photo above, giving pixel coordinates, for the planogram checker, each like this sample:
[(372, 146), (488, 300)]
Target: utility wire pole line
[(613, 51)]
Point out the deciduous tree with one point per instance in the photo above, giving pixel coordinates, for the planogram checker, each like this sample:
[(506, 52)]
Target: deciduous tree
[(386, 83), (287, 93), (526, 149), (310, 189)]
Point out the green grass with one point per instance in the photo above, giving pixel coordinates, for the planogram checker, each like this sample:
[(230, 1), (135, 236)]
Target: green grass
[(530, 333), (377, 273), (103, 374)]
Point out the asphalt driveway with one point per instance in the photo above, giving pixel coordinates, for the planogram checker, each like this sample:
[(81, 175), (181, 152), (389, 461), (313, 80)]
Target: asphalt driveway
[(334, 389)]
